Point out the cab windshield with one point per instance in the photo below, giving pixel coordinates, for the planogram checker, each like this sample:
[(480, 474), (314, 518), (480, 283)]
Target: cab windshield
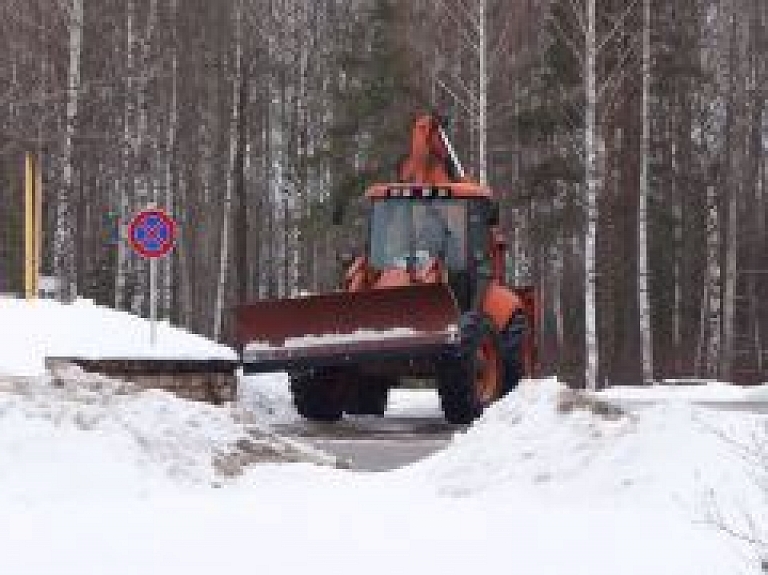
[(412, 231)]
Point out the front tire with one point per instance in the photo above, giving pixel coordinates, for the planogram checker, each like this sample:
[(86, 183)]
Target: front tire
[(369, 398), (470, 382), (317, 395)]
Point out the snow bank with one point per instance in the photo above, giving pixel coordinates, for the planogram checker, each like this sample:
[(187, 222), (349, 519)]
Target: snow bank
[(268, 396), (83, 436), (555, 445), (36, 329)]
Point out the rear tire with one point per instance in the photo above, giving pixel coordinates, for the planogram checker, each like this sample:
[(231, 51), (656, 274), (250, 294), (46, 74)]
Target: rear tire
[(512, 337), (317, 395), (470, 382)]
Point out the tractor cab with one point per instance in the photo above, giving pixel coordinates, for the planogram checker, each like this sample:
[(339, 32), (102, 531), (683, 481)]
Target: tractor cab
[(412, 226)]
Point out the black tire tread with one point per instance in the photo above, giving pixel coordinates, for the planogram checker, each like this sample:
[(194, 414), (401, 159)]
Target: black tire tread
[(369, 398), (313, 398), (455, 377), (512, 337)]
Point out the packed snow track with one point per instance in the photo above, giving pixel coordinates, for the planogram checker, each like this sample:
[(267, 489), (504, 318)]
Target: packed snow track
[(412, 428), (374, 443)]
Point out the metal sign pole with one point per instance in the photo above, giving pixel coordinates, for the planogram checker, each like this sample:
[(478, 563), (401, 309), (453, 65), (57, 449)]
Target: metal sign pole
[(152, 294), (153, 300)]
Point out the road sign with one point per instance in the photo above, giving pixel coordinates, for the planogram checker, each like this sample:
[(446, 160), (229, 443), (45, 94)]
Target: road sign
[(152, 233)]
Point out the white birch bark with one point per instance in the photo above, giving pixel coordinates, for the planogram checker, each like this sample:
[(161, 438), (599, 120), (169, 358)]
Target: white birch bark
[(736, 139), (482, 112), (169, 163), (593, 184), (143, 182), (64, 246), (713, 287), (123, 261), (644, 303), (678, 235), (225, 227), (729, 284), (468, 85)]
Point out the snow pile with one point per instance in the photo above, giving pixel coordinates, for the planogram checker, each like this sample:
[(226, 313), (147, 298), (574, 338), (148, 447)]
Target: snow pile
[(268, 396), (38, 329), (547, 441), (83, 435)]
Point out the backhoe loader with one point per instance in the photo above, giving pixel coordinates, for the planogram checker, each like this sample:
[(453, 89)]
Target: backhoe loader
[(427, 299)]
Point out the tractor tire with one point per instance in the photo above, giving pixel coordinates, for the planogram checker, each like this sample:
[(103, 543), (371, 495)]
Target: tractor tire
[(512, 337), (471, 381), (368, 398), (317, 395)]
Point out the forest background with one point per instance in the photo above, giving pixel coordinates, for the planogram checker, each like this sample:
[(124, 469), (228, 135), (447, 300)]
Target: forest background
[(626, 141)]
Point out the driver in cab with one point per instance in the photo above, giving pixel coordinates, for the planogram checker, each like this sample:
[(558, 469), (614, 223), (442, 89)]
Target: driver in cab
[(435, 234)]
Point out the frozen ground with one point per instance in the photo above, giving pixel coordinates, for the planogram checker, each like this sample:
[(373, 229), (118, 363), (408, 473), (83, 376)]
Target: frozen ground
[(96, 479)]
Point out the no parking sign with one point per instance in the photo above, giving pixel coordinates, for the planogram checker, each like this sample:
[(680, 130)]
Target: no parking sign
[(152, 233)]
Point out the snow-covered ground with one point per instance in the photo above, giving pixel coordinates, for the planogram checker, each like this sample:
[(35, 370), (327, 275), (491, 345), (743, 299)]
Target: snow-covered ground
[(33, 330), (533, 487), (98, 479), (697, 391)]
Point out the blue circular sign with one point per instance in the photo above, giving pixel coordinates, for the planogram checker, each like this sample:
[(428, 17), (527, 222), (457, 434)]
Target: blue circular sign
[(152, 233)]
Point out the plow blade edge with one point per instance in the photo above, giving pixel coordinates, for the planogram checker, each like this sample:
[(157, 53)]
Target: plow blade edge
[(398, 326)]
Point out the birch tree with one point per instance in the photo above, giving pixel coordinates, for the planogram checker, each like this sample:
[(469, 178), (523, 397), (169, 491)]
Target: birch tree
[(466, 30), (233, 139), (644, 304), (593, 185), (65, 218)]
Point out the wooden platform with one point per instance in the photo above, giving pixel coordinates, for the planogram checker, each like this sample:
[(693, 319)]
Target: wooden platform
[(212, 381)]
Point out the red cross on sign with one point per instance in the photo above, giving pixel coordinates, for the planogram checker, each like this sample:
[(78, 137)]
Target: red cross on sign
[(152, 233)]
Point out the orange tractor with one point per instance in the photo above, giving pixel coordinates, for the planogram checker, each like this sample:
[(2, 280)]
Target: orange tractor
[(426, 299)]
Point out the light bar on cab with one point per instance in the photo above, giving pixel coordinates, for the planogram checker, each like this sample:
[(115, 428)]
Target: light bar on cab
[(419, 192)]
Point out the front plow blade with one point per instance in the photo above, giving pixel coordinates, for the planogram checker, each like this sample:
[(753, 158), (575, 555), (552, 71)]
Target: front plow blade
[(364, 329)]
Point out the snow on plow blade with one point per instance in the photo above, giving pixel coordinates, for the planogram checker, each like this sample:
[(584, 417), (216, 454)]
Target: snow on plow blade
[(396, 325)]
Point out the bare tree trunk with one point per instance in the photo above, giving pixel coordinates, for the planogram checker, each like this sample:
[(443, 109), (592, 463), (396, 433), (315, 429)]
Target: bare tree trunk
[(644, 303), (734, 184), (482, 114), (143, 184), (678, 279), (123, 261), (233, 130), (713, 287), (170, 162), (557, 298), (593, 184), (65, 248), (242, 155)]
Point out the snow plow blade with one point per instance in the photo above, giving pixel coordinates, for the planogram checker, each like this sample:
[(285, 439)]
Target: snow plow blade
[(398, 330)]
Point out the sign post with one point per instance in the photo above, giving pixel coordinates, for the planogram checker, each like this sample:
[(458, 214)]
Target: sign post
[(152, 234)]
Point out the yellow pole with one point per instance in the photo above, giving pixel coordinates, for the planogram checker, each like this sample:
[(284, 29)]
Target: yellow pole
[(38, 218), (32, 213), (28, 224)]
